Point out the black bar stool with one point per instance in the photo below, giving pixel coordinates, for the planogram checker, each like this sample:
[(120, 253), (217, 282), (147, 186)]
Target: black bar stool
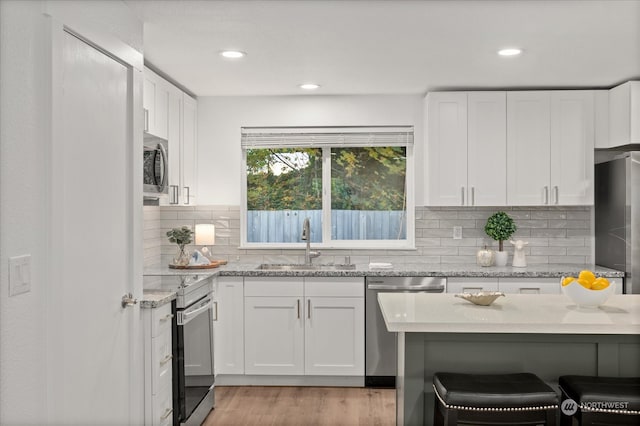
[(600, 400), (509, 399)]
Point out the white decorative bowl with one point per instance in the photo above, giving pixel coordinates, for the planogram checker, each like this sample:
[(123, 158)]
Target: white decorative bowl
[(484, 298), (587, 298)]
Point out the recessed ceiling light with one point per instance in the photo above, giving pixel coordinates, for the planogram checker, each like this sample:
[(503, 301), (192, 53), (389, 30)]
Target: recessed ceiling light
[(309, 86), (509, 52), (232, 54)]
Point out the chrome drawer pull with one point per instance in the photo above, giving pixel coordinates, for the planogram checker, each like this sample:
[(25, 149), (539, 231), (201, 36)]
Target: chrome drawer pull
[(166, 360), (166, 317), (167, 413)]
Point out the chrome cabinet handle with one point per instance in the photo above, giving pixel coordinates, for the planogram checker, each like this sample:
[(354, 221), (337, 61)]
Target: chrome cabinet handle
[(309, 308), (546, 195), (128, 300), (215, 304), (174, 194), (529, 290), (468, 289), (167, 413), (462, 195), (555, 189), (166, 317), (188, 194), (473, 195), (298, 307), (166, 359), (146, 120)]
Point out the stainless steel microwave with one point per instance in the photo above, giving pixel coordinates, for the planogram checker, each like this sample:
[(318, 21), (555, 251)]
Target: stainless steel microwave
[(156, 166)]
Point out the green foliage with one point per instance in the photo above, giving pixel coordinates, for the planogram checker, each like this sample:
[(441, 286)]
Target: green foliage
[(369, 178), (500, 227), (180, 236)]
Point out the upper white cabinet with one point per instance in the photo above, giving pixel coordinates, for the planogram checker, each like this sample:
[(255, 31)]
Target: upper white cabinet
[(550, 141), (624, 115), (466, 134), (155, 101), (182, 112)]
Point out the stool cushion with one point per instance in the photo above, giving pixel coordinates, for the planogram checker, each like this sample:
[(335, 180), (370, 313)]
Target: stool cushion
[(494, 390), (590, 389)]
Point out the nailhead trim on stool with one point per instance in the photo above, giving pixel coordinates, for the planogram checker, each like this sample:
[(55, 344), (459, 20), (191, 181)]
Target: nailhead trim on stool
[(461, 407)]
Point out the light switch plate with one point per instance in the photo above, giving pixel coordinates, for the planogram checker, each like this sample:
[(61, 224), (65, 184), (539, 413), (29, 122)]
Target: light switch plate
[(457, 232), (19, 274)]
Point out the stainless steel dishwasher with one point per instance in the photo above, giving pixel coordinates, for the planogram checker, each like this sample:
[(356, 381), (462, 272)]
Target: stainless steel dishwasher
[(380, 345)]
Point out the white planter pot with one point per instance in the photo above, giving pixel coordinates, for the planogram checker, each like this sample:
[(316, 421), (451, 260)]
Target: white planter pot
[(501, 258)]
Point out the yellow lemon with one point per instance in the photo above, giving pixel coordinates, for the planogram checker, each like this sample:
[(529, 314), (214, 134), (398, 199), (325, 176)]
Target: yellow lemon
[(568, 280), (584, 283), (587, 276), (600, 284)]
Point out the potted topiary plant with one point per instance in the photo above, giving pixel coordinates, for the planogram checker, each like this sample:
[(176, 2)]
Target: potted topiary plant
[(181, 236), (500, 226)]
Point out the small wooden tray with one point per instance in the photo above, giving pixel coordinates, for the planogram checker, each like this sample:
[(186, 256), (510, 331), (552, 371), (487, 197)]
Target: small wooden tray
[(213, 264)]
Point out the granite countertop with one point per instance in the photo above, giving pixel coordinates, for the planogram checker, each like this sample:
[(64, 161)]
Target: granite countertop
[(156, 298), (515, 313)]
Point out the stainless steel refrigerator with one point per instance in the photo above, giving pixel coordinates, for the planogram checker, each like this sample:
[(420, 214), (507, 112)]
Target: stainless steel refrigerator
[(617, 214)]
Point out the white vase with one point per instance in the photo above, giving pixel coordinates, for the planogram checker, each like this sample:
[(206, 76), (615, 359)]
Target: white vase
[(501, 258)]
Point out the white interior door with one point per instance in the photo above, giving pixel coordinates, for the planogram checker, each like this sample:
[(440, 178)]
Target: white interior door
[(92, 241)]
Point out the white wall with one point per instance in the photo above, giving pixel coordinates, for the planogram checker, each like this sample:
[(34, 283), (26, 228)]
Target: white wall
[(24, 167), (220, 120)]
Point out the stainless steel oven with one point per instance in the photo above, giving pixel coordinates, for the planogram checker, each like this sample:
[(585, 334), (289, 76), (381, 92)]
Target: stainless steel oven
[(193, 375)]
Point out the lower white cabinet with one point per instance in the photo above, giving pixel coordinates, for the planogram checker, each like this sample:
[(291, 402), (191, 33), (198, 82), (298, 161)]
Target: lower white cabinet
[(471, 285), (529, 285), (304, 326), (158, 366), (228, 326)]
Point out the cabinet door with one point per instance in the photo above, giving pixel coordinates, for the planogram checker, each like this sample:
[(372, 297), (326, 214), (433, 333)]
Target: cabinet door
[(274, 335), (174, 135), (487, 149), (334, 336), (447, 148), (228, 326), (471, 285), (528, 148), (529, 285), (148, 101), (155, 101), (572, 142), (189, 158)]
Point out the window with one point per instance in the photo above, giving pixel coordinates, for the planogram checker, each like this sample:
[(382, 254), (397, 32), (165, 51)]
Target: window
[(352, 184)]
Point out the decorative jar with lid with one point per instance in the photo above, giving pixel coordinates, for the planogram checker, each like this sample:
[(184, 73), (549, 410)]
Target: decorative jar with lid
[(485, 257)]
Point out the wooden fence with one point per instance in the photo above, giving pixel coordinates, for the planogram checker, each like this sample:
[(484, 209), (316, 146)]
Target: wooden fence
[(285, 226)]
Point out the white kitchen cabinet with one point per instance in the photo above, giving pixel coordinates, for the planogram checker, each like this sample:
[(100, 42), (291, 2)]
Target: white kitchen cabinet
[(334, 326), (274, 326), (189, 149), (466, 133), (155, 101), (529, 285), (471, 285), (158, 365), (228, 326), (310, 326), (550, 140), (624, 115)]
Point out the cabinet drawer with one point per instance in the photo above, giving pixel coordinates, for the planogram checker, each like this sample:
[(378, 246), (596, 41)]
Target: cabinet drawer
[(273, 286), (161, 359), (529, 286), (161, 320), (471, 285), (334, 287), (162, 412)]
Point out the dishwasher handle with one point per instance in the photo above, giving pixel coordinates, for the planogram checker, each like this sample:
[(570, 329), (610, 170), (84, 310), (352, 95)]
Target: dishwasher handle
[(423, 288)]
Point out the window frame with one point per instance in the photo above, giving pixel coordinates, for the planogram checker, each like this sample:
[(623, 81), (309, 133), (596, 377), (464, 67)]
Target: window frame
[(327, 242)]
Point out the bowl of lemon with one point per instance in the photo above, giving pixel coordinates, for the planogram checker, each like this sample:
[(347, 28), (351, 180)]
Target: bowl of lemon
[(587, 290)]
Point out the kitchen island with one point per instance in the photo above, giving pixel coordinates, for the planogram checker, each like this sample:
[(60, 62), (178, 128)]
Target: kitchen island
[(547, 335)]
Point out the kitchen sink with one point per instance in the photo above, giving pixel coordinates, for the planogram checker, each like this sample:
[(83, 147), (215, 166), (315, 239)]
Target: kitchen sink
[(303, 267)]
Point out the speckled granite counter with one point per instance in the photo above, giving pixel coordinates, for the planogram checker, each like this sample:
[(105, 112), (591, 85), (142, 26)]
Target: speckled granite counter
[(424, 270), (156, 298)]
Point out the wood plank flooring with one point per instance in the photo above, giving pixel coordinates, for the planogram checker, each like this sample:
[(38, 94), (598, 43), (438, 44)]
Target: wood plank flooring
[(309, 406)]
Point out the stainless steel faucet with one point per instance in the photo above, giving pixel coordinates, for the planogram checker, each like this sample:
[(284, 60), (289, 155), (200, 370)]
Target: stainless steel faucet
[(306, 236)]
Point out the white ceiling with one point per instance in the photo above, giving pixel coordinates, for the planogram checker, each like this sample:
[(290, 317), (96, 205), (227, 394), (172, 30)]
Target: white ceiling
[(392, 46)]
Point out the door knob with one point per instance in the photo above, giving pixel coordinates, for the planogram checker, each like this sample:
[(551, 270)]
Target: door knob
[(128, 300)]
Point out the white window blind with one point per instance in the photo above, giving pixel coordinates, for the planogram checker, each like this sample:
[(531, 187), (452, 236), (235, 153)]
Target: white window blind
[(326, 137)]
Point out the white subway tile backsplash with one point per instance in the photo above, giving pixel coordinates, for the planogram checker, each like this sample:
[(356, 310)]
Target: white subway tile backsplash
[(556, 234)]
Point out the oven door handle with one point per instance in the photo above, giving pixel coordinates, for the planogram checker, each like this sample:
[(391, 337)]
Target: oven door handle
[(189, 315)]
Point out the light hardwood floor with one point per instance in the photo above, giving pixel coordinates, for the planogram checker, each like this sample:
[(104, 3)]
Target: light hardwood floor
[(309, 406)]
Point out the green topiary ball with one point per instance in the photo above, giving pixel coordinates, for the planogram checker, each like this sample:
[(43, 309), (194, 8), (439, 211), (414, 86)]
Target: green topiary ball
[(500, 227)]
